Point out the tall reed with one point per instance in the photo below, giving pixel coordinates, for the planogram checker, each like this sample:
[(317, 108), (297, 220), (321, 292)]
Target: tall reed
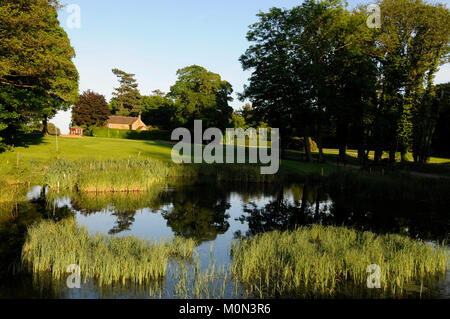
[(128, 175), (52, 247), (327, 261)]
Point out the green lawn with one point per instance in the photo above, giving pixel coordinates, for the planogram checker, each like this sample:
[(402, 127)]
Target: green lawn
[(42, 151), (96, 148), (88, 147)]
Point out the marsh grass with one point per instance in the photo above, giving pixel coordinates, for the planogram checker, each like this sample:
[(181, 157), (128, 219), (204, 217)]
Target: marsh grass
[(129, 175), (51, 247), (108, 175), (10, 197), (320, 261), (214, 282)]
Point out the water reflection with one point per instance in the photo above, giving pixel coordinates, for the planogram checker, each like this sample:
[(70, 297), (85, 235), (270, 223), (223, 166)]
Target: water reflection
[(201, 211), (213, 214), (198, 213), (311, 204)]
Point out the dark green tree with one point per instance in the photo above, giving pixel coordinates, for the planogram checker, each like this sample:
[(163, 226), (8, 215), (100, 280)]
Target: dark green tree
[(127, 98), (202, 95), (37, 75), (159, 110), (90, 110), (293, 57), (412, 42), (441, 136)]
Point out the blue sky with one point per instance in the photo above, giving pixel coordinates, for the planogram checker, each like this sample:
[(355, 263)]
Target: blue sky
[(155, 38)]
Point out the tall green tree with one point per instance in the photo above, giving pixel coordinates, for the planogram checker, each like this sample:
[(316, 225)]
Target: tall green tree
[(412, 42), (200, 94), (90, 110), (294, 56), (127, 97), (441, 134), (159, 110), (37, 75)]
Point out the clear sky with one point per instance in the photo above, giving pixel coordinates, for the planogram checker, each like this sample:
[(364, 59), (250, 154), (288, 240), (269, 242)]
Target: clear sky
[(155, 38)]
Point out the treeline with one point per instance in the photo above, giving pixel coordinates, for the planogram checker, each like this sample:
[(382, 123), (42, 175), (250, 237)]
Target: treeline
[(319, 71), (198, 94)]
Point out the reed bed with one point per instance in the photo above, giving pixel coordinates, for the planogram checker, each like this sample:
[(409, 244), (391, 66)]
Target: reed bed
[(214, 282), (133, 174), (126, 175), (51, 247), (12, 193), (320, 261)]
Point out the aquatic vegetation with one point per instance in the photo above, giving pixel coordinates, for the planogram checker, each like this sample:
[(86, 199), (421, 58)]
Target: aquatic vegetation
[(108, 175), (319, 261), (133, 174), (52, 247), (214, 282)]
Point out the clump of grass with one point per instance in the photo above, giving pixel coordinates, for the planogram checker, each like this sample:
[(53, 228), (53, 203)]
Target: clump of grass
[(325, 261), (131, 175), (10, 197), (214, 282), (126, 175), (51, 247)]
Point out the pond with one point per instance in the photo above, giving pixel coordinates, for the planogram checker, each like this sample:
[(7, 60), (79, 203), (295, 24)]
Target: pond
[(214, 215)]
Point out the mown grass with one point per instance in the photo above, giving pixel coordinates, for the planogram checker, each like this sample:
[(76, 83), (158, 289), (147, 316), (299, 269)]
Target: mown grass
[(151, 134), (31, 164), (320, 261), (51, 247)]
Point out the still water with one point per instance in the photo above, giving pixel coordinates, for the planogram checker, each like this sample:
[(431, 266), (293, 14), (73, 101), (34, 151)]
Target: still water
[(214, 215)]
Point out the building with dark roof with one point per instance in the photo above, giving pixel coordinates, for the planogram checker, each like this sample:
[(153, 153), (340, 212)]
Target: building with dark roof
[(126, 123)]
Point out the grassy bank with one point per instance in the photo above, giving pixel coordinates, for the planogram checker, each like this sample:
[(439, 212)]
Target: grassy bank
[(140, 174), (104, 164), (326, 261), (52, 247)]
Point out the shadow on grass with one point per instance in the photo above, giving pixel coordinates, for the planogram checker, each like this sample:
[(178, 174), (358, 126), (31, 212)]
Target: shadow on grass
[(24, 140)]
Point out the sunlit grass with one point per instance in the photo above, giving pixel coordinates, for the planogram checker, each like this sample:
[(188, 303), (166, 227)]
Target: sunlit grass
[(52, 247), (129, 175), (322, 261), (33, 163)]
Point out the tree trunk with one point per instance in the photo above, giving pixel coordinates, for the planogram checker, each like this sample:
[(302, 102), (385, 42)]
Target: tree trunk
[(361, 155), (392, 156), (342, 153), (321, 158), (320, 147), (307, 149), (342, 140), (378, 155), (45, 124)]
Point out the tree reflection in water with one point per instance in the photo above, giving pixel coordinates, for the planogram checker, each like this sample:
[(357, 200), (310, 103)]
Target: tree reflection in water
[(310, 204), (125, 220), (198, 213)]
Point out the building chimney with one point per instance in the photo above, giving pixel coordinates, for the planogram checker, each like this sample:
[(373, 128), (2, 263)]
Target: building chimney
[(139, 117)]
